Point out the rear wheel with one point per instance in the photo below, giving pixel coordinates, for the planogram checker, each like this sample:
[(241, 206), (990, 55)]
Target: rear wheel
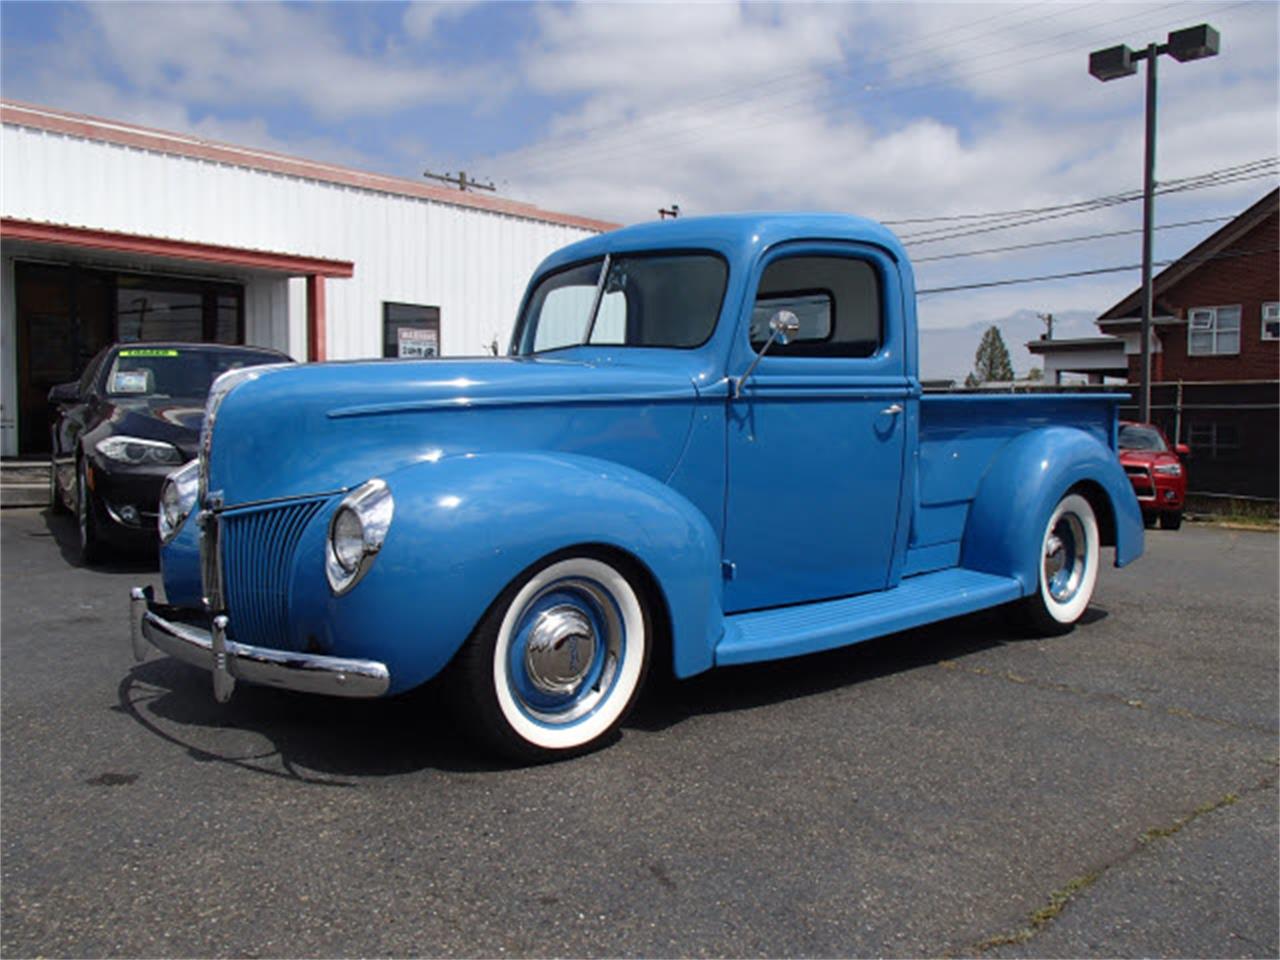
[(86, 517), (557, 661), (1068, 567), (1171, 520)]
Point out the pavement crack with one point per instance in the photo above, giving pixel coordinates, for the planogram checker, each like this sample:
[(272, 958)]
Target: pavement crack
[(1059, 899), (1135, 703)]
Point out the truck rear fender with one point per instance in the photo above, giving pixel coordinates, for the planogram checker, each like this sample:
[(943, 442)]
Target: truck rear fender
[(1022, 485), (465, 527)]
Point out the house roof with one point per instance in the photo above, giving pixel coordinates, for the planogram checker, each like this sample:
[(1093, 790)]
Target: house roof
[(1124, 311), (185, 145), (1078, 343)]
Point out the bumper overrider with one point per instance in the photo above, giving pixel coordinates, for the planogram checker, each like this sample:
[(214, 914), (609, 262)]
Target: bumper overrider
[(155, 624)]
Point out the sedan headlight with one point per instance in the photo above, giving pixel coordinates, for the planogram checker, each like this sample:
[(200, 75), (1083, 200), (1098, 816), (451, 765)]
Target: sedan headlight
[(1168, 469), (356, 532), (177, 498), (136, 450)]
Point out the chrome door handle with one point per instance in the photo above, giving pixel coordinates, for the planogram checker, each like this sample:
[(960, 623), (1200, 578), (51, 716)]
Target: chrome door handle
[(892, 410)]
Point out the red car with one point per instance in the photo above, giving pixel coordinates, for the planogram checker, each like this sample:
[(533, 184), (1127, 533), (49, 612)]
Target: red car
[(1158, 474)]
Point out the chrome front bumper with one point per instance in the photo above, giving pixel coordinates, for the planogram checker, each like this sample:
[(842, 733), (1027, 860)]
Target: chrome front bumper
[(230, 661)]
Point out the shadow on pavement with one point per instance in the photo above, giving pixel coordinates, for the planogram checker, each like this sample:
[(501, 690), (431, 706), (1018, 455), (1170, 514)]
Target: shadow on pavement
[(335, 742), (62, 528)]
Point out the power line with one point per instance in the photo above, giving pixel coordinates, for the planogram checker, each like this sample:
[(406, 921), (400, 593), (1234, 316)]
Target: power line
[(1064, 240), (1206, 181), (1092, 272)]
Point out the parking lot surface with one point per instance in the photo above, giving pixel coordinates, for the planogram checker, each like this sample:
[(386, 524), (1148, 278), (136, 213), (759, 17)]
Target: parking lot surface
[(957, 790)]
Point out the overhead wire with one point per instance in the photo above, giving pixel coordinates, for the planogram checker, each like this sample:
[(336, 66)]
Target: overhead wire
[(1096, 271), (1083, 238)]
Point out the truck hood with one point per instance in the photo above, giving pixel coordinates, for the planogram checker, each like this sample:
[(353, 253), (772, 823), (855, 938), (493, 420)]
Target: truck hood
[(300, 430)]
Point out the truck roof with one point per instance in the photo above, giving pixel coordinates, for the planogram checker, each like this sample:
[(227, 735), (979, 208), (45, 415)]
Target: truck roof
[(738, 236)]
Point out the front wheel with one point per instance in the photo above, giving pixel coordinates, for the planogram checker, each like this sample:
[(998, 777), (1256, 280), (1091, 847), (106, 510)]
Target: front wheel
[(557, 661), (89, 542), (1068, 567), (1171, 520)]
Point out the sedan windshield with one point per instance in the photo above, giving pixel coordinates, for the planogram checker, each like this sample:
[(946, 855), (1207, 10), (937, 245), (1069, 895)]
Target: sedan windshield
[(163, 372), (628, 301), (1134, 437)]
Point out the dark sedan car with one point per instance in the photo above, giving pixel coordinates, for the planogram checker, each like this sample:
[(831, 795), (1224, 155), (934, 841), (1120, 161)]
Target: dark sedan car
[(132, 419)]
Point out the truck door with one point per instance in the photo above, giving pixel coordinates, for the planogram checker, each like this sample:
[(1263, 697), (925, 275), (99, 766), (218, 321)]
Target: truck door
[(816, 436)]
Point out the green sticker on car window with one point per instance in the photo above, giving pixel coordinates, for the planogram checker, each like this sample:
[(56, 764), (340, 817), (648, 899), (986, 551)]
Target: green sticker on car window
[(153, 352)]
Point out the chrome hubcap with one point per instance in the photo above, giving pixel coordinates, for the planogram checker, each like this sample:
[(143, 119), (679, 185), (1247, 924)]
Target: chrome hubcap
[(561, 649), (1064, 558), (567, 645)]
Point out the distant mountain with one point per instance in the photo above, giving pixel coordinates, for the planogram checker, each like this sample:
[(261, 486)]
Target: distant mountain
[(948, 353)]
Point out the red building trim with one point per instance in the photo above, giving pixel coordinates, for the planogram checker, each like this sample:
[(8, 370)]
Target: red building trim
[(52, 233), (315, 318), (163, 141)]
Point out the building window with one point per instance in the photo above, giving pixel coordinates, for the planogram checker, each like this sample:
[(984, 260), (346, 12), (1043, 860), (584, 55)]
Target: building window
[(169, 308), (1213, 330), (1271, 321), (410, 331), (1213, 440)]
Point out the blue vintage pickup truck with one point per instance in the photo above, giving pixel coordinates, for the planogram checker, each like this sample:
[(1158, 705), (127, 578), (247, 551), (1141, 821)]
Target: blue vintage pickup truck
[(707, 446)]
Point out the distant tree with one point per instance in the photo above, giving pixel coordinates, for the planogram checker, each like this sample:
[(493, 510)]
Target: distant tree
[(1035, 374), (971, 381), (991, 363)]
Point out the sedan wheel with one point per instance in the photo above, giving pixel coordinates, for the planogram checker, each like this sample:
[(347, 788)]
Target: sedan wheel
[(86, 518)]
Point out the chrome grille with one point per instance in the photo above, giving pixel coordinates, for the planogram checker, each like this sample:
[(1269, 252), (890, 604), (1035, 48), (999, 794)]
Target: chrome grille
[(256, 548)]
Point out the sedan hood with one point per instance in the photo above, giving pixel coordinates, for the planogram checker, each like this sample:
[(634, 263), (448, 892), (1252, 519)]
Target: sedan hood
[(319, 428)]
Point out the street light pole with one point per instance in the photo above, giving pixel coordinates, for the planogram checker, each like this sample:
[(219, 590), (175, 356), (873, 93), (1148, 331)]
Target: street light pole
[(1192, 43), (1148, 216)]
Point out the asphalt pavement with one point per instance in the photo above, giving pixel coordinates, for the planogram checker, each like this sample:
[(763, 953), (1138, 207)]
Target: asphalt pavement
[(959, 790)]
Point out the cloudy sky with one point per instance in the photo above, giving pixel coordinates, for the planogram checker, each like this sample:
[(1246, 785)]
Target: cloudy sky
[(899, 111)]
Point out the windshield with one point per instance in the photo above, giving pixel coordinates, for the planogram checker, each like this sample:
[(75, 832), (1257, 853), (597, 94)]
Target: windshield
[(166, 372), (1141, 438), (629, 301)]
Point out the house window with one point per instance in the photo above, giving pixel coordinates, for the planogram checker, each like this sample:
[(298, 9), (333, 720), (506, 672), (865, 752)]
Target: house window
[(410, 331), (1213, 330), (1271, 321), (1213, 440)]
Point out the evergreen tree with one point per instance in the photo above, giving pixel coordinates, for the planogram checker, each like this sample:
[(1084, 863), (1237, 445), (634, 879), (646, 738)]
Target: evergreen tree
[(991, 363)]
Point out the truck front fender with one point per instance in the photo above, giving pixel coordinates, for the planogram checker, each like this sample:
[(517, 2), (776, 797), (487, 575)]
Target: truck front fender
[(1021, 487), (465, 527)]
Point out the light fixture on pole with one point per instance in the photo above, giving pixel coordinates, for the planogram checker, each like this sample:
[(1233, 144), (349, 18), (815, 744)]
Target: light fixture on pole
[(1192, 43)]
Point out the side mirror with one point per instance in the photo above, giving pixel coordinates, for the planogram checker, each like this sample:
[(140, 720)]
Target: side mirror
[(783, 325), (1182, 450), (65, 393)]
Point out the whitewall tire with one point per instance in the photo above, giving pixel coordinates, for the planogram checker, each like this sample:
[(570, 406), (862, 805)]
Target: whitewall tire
[(1067, 565), (558, 660)]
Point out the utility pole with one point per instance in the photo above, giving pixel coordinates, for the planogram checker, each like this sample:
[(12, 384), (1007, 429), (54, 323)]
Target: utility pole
[(461, 181), (1047, 320), (671, 214)]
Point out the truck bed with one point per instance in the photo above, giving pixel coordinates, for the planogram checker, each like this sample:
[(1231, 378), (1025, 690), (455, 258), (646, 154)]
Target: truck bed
[(960, 435)]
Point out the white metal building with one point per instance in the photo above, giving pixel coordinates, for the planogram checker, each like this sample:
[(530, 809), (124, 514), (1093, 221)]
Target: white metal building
[(110, 231)]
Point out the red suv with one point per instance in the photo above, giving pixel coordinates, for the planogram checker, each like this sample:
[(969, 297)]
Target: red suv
[(1157, 472)]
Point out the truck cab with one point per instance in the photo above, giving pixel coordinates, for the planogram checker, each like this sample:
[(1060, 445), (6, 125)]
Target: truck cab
[(708, 440)]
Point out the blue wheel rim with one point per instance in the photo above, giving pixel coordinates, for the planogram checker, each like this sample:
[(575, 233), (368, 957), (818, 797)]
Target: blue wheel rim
[(586, 667)]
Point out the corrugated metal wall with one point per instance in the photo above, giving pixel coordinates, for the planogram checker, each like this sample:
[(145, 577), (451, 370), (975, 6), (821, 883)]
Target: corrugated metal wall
[(472, 264)]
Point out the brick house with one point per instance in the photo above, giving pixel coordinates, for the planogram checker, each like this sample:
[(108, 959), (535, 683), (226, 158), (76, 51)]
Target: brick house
[(1215, 343)]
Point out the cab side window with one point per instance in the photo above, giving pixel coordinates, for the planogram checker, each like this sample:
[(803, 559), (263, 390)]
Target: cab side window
[(837, 300)]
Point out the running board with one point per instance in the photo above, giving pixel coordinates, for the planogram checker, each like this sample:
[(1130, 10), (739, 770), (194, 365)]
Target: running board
[(810, 627)]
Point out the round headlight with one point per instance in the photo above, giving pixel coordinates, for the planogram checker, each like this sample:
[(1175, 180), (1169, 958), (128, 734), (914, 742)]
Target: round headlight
[(348, 539), (177, 499), (356, 533)]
